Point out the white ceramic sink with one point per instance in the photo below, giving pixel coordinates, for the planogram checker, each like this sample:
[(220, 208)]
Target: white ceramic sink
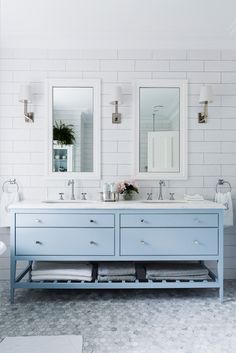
[(163, 201), (67, 201)]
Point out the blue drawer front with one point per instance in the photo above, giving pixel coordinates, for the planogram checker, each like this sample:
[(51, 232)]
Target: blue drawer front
[(179, 241), (65, 241), (169, 220), (64, 220)]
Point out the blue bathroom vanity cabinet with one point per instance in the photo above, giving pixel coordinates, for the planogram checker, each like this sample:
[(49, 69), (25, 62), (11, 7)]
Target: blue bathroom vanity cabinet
[(122, 231)]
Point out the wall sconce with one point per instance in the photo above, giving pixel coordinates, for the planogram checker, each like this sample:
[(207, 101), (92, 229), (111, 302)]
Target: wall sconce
[(205, 97), (116, 99), (25, 97)]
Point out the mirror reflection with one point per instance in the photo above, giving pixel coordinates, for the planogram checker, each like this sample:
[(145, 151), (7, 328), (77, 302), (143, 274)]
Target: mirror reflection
[(72, 147), (159, 129)]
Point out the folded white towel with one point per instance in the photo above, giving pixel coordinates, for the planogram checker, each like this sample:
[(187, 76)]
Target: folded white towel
[(3, 248), (195, 197), (62, 268), (7, 199), (226, 200), (61, 277)]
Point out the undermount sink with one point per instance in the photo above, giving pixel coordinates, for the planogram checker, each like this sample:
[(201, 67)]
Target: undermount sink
[(67, 201), (164, 201)]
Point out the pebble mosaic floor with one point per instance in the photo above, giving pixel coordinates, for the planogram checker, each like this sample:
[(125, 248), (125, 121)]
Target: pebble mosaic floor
[(126, 321)]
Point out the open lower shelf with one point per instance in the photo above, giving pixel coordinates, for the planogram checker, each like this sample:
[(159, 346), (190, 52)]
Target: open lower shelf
[(22, 282)]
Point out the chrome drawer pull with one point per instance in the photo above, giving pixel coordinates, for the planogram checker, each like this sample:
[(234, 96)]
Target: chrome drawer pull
[(93, 242), (196, 242), (38, 242), (142, 242), (142, 220), (197, 220), (38, 220), (92, 221)]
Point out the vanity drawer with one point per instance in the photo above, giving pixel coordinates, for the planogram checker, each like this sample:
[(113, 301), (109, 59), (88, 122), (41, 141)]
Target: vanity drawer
[(169, 220), (178, 241), (64, 241), (91, 220)]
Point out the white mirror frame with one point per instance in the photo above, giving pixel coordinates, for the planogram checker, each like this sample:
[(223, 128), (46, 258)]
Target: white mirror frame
[(96, 85), (183, 86)]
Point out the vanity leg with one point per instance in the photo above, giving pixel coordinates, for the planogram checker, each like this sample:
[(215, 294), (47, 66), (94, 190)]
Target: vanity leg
[(12, 280), (221, 279)]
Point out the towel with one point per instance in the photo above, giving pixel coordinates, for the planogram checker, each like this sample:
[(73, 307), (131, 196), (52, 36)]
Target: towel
[(173, 269), (174, 278), (47, 268), (3, 248), (7, 199), (60, 278), (116, 268), (226, 200), (129, 278)]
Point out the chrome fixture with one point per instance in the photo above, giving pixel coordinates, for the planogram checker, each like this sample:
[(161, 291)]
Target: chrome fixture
[(161, 184), (11, 182), (83, 195), (115, 100), (25, 97), (72, 183), (172, 196), (222, 182), (61, 195), (205, 98), (149, 195)]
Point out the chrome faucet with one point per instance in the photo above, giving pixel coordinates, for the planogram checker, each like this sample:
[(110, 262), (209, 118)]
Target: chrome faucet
[(72, 183), (161, 184)]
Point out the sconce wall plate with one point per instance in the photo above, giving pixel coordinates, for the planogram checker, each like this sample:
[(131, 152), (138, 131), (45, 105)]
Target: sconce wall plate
[(205, 98), (25, 98), (116, 100), (116, 117)]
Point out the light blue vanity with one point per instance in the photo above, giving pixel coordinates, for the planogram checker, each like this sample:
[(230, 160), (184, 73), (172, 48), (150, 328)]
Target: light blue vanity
[(122, 231)]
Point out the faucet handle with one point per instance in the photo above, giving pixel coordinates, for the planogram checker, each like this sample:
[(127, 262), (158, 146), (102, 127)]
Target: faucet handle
[(149, 195), (172, 195), (61, 195), (83, 195)]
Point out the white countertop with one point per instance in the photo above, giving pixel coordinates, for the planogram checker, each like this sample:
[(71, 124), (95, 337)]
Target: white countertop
[(40, 205)]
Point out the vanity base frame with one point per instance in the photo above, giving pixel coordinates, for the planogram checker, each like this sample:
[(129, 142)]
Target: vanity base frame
[(209, 225)]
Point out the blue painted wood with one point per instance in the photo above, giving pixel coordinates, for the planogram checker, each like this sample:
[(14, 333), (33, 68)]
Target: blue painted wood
[(91, 220), (208, 228), (169, 241), (65, 241), (169, 220)]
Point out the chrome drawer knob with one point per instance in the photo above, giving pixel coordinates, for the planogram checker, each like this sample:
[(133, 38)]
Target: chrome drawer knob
[(142, 242), (197, 220), (93, 242), (37, 220), (196, 242), (38, 242), (142, 220), (92, 221)]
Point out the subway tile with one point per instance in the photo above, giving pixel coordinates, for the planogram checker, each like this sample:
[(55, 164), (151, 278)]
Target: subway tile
[(183, 65), (133, 75), (228, 54), (32, 53), (82, 65), (229, 101), (152, 65), (116, 158), (229, 170), (169, 54), (204, 147), (14, 65), (228, 77), (117, 65), (173, 75), (124, 170), (219, 158), (228, 147), (206, 54), (14, 158), (220, 135), (109, 146), (220, 65), (204, 170), (109, 169), (104, 76), (204, 77), (47, 65), (195, 158), (124, 146), (229, 124)]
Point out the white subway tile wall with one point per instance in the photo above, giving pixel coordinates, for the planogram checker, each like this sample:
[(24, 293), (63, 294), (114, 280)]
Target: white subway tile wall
[(212, 146)]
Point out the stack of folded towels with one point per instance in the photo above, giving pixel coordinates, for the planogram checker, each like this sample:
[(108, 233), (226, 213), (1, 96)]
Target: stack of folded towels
[(116, 271), (74, 271), (176, 271)]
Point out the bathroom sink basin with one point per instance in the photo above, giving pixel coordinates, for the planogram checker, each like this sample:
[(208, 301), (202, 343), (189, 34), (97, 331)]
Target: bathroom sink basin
[(67, 201), (163, 201)]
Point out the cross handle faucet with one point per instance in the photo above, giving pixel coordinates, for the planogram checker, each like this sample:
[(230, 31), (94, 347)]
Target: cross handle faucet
[(161, 184)]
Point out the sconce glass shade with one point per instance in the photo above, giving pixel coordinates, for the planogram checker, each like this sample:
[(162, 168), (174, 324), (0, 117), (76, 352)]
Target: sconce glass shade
[(116, 95), (206, 94), (3, 248), (25, 94)]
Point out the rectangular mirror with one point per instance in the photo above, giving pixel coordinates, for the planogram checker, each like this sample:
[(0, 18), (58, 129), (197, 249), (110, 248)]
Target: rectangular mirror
[(74, 129), (161, 129)]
